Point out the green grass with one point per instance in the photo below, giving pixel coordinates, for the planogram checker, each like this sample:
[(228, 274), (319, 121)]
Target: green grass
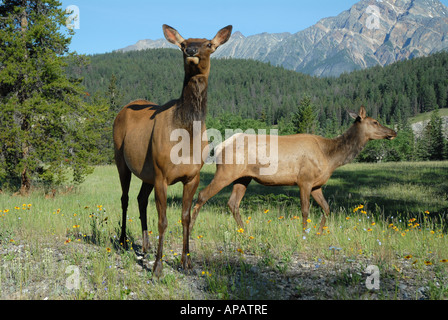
[(401, 228), (427, 116)]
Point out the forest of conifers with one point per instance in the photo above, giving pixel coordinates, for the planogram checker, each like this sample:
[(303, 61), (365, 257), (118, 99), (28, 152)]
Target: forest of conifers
[(250, 94)]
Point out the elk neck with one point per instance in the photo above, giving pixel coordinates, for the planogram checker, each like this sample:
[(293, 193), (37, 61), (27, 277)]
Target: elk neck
[(344, 148), (192, 105)]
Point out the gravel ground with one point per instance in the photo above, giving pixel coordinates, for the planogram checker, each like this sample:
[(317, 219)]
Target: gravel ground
[(299, 279)]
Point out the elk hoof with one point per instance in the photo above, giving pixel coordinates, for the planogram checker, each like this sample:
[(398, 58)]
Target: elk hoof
[(123, 242), (145, 242), (157, 270), (186, 262)]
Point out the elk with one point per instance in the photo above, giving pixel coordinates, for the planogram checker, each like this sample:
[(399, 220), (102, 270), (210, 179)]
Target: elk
[(141, 134), (305, 160)]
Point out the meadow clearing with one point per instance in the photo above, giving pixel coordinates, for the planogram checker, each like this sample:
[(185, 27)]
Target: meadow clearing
[(391, 216)]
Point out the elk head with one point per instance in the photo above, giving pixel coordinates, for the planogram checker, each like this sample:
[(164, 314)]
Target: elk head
[(197, 51), (371, 128)]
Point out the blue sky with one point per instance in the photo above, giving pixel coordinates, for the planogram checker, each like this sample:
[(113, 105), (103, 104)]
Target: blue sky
[(106, 25)]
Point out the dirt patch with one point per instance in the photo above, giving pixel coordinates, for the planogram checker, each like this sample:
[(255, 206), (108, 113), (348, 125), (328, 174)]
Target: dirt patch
[(25, 274)]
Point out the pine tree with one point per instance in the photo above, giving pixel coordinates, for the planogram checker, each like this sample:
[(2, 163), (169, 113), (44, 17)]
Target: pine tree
[(114, 94), (305, 119), (431, 145), (435, 131), (46, 127)]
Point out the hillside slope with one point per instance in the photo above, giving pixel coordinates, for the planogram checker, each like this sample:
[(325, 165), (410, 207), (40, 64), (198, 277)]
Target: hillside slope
[(255, 90)]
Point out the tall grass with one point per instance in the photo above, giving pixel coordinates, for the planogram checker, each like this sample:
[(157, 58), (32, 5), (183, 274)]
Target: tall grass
[(390, 215)]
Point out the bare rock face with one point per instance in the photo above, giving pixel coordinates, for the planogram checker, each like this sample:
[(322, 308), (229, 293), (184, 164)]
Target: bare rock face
[(371, 32)]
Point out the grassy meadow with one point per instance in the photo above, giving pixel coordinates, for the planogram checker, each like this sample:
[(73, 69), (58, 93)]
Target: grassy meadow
[(390, 215)]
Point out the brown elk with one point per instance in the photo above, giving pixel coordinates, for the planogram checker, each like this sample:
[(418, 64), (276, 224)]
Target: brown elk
[(142, 132), (307, 161)]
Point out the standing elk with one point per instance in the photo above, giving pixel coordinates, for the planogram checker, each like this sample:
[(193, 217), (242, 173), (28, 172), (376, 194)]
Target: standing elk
[(142, 143), (307, 161)]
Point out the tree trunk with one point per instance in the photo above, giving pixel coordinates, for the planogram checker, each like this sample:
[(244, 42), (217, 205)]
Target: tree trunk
[(25, 182)]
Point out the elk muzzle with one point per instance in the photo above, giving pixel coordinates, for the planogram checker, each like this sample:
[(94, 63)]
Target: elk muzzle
[(193, 60), (391, 135), (191, 55)]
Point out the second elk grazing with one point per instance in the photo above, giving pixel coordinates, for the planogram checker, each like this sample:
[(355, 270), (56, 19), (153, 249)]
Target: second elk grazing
[(305, 160)]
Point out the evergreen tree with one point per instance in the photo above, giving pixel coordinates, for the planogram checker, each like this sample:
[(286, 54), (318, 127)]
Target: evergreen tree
[(114, 94), (429, 99), (46, 127), (404, 144), (434, 130), (431, 145), (305, 119)]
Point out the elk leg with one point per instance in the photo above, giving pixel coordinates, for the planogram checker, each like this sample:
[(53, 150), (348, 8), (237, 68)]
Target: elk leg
[(142, 198), (160, 189), (187, 199), (319, 197), (211, 190), (125, 180), (239, 189), (305, 204)]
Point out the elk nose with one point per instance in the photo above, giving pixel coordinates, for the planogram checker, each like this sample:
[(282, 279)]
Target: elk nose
[(191, 51)]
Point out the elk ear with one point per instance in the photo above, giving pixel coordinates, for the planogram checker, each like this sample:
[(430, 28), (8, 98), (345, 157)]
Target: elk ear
[(222, 36), (362, 113), (352, 114), (172, 35)]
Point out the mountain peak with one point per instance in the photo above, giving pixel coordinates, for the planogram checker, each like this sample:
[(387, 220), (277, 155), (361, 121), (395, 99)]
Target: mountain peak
[(238, 35), (370, 33), (428, 8)]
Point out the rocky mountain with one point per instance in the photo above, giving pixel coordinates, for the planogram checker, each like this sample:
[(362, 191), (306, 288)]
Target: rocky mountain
[(371, 32), (419, 127)]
